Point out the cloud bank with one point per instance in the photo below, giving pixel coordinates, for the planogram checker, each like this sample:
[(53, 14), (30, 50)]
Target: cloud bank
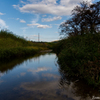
[(64, 7), (22, 21), (51, 19), (39, 25)]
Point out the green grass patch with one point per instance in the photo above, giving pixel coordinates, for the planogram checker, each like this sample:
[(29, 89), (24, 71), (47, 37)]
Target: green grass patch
[(12, 46)]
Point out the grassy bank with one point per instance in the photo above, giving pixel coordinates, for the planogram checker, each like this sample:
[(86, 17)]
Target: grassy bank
[(12, 46), (79, 56)]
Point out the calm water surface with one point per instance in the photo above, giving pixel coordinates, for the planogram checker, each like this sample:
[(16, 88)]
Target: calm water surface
[(40, 78)]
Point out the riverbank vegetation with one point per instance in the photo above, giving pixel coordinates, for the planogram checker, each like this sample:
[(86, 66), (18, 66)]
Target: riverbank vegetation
[(9, 64), (12, 46), (79, 51)]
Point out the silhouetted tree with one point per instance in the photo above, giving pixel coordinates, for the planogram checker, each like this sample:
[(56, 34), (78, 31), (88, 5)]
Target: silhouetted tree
[(85, 19)]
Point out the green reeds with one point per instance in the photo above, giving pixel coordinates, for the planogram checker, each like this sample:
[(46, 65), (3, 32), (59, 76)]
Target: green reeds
[(80, 56)]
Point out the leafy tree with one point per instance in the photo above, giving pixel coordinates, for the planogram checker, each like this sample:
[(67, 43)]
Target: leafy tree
[(85, 19)]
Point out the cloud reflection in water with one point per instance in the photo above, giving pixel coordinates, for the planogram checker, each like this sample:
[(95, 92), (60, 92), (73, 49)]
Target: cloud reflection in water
[(39, 69), (45, 90)]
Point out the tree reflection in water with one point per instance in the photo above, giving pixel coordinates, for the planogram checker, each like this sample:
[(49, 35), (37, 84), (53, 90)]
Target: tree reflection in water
[(9, 64), (78, 88)]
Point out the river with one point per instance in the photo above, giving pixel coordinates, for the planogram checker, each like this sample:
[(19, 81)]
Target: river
[(40, 78)]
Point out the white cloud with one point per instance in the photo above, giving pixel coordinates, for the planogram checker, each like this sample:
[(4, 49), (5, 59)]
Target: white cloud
[(39, 25), (22, 2), (22, 21), (3, 24), (34, 23), (45, 9), (49, 6), (44, 26), (51, 19), (44, 15), (72, 2), (62, 23), (16, 6), (17, 18), (1, 13)]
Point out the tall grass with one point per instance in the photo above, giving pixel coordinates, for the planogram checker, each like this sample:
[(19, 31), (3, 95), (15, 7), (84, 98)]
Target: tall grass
[(80, 56), (14, 46)]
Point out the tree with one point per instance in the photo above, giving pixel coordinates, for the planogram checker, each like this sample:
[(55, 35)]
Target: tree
[(85, 19)]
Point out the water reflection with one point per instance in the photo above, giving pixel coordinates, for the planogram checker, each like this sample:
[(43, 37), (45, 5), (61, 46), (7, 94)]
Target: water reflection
[(37, 78), (1, 74), (45, 90), (78, 89), (40, 69), (1, 81), (22, 74), (7, 65), (48, 75)]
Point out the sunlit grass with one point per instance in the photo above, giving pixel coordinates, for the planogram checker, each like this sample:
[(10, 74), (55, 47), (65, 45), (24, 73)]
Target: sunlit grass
[(14, 46)]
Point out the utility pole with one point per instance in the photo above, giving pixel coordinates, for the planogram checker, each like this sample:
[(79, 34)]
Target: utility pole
[(38, 37)]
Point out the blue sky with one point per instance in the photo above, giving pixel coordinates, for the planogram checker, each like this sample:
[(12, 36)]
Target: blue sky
[(27, 18)]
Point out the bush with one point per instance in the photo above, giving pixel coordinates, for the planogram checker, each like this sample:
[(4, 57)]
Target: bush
[(80, 56)]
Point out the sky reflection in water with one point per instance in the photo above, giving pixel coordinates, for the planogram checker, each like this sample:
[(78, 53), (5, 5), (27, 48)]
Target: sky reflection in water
[(38, 78)]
